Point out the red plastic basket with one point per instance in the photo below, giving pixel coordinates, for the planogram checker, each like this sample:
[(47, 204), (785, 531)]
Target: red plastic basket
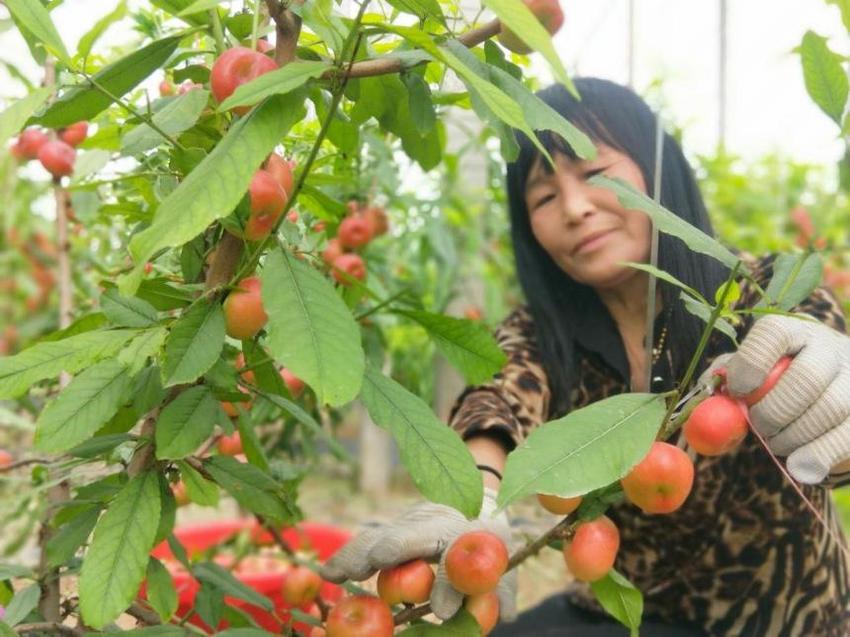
[(322, 539)]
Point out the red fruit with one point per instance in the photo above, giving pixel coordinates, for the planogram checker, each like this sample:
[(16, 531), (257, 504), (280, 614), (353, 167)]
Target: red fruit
[(360, 616), (476, 561), (318, 632), (30, 142), (547, 11), (186, 86), (319, 226), (772, 378), (267, 202), (377, 220), (264, 46), (354, 232), (230, 445), (166, 88), (558, 505), (5, 458), (350, 264), (301, 586), (179, 491), (661, 482), (293, 383), (593, 549), (230, 408), (75, 134), (244, 315), (235, 67), (716, 425), (292, 216), (473, 313), (281, 170), (408, 583), (148, 267), (57, 157), (485, 609), (332, 251), (247, 376)]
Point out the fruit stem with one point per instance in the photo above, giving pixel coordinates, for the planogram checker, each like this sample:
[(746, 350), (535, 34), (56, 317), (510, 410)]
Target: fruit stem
[(218, 32)]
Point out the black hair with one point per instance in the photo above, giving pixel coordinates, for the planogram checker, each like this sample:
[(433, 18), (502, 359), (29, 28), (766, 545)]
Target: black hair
[(616, 116)]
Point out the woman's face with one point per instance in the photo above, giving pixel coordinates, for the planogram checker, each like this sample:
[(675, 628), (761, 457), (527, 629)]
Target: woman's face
[(584, 228)]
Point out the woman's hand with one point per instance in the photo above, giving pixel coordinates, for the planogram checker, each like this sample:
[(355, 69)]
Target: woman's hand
[(806, 415), (424, 531)]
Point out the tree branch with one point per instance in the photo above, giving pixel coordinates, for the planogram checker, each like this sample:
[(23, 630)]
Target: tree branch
[(49, 627)]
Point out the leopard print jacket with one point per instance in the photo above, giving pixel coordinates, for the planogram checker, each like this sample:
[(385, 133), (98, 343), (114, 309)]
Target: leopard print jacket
[(743, 555)]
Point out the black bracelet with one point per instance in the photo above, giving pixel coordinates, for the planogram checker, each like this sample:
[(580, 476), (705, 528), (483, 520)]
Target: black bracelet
[(489, 469)]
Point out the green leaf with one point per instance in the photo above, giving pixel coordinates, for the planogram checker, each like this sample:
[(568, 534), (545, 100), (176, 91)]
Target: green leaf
[(185, 423), (311, 331), (163, 296), (619, 597), (667, 221), (198, 6), (587, 449), (199, 489), (127, 311), (277, 82), (34, 16), (194, 344), (703, 312), (824, 76), (437, 459), (22, 604), (161, 593), (795, 277), (9, 571), (115, 564), (529, 29), (250, 443), (71, 536), (91, 36), (46, 360), (83, 407), (844, 7), (145, 345), (215, 575), (468, 345), (502, 106), (251, 488), (214, 188), (15, 116), (296, 411), (462, 624), (85, 101), (98, 445), (666, 277), (420, 8), (539, 114), (422, 110), (178, 115)]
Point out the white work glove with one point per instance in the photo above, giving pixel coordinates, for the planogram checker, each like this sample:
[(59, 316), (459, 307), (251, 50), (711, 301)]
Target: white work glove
[(424, 531), (806, 416)]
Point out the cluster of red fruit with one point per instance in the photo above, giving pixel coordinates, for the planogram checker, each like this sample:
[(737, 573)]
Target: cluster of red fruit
[(356, 230), (41, 253), (294, 384), (662, 481), (474, 564), (56, 155)]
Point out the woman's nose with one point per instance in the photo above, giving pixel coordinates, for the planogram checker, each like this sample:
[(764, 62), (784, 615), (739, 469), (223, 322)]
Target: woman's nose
[(576, 203)]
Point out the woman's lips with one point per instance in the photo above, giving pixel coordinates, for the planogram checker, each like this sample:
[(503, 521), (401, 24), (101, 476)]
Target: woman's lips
[(592, 242)]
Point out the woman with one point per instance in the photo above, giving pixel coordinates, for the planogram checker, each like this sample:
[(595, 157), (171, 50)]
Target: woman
[(743, 556)]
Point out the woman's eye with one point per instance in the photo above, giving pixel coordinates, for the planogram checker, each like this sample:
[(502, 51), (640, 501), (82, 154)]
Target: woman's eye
[(543, 200), (593, 173)]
